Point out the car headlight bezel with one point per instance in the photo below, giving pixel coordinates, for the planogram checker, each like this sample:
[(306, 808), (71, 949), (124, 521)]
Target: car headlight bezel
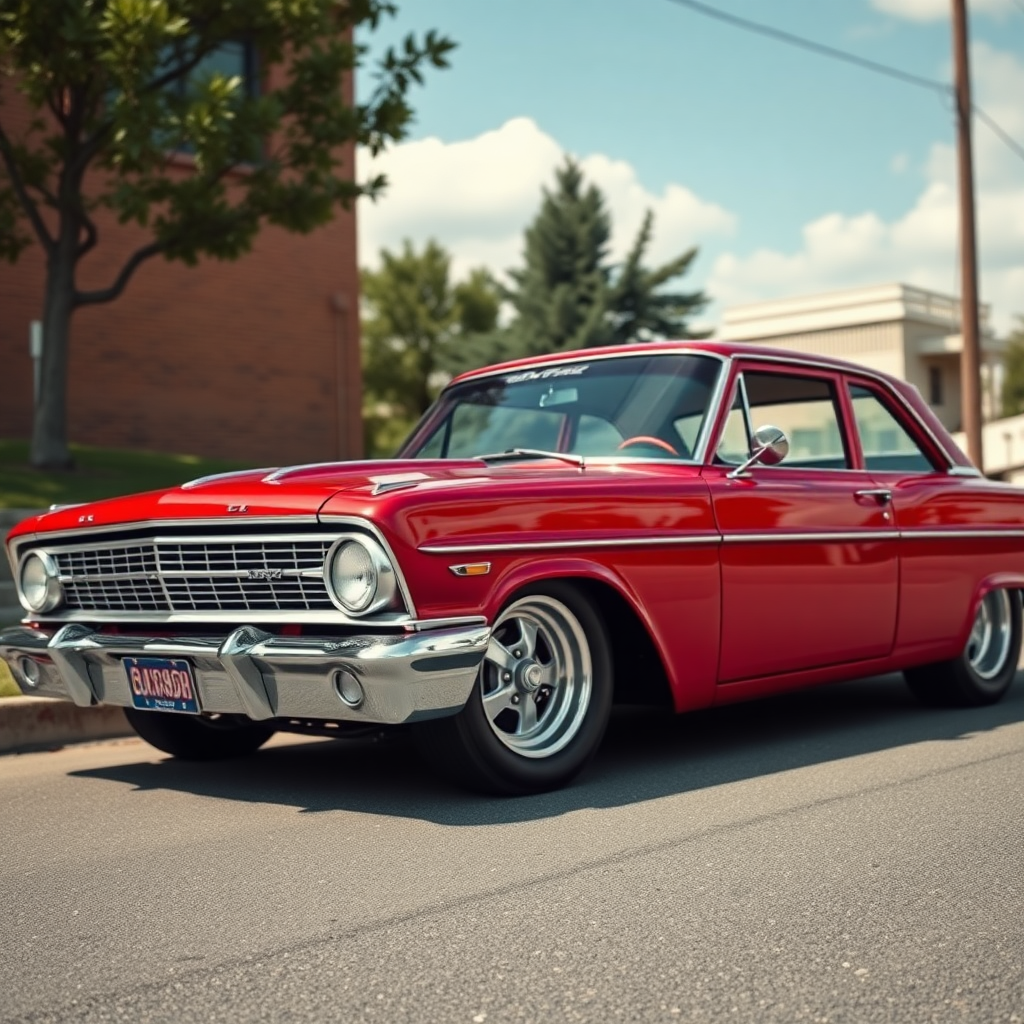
[(383, 586), (45, 592)]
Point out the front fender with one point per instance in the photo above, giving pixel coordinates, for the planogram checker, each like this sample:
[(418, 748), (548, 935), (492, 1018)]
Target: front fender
[(679, 608)]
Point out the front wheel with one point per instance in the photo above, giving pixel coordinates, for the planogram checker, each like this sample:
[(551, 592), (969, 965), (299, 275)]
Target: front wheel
[(985, 669), (541, 702), (199, 737)]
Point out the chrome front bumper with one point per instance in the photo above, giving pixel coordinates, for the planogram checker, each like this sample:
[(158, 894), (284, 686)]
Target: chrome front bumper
[(403, 677)]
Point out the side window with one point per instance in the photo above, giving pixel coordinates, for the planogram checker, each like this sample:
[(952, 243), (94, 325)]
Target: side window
[(887, 445), (805, 408)]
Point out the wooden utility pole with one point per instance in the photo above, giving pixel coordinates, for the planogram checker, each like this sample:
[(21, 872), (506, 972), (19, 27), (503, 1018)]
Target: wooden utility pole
[(970, 357)]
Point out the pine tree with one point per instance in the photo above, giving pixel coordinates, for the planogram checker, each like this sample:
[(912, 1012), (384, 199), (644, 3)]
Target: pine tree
[(560, 295), (568, 295), (638, 309)]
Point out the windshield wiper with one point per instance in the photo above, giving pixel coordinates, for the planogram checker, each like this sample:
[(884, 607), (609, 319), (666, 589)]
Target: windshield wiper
[(533, 453)]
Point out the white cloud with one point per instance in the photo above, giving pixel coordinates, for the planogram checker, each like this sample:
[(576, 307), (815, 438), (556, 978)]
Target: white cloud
[(936, 10), (477, 196), (919, 247)]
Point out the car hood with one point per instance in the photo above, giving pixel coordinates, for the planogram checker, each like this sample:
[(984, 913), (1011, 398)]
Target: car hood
[(282, 494), (369, 489)]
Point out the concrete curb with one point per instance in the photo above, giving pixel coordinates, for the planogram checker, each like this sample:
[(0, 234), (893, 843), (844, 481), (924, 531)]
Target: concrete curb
[(42, 723)]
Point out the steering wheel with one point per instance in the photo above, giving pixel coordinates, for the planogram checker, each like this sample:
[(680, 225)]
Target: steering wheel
[(651, 442)]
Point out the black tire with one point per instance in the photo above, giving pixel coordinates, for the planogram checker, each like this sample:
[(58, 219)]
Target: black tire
[(197, 737), (983, 672), (539, 708)]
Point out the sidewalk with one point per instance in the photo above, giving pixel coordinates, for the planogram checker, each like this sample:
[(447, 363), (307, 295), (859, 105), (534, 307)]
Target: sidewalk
[(41, 723)]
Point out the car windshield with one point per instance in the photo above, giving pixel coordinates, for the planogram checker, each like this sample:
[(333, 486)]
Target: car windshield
[(643, 406)]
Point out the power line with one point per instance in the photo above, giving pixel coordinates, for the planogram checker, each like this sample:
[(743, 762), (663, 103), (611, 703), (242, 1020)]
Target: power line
[(1007, 139), (823, 50), (809, 44)]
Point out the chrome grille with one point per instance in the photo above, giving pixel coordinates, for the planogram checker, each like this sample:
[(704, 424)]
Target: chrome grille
[(202, 575)]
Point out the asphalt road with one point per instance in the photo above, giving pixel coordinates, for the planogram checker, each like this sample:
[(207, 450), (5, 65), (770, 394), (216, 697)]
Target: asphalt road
[(837, 855)]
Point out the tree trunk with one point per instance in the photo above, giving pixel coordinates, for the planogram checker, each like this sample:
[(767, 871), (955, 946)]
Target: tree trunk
[(50, 423)]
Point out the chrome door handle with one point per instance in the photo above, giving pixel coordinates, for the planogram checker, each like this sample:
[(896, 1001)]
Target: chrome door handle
[(881, 494)]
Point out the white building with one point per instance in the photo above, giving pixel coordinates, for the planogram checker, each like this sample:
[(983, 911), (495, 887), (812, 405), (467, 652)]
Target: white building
[(907, 332)]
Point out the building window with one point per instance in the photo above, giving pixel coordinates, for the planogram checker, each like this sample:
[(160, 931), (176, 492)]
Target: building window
[(935, 385), (229, 59)]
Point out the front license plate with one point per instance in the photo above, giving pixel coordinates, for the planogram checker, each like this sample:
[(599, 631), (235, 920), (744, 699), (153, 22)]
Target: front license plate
[(162, 684)]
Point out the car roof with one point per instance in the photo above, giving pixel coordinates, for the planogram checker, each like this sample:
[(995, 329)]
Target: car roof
[(728, 350), (725, 349)]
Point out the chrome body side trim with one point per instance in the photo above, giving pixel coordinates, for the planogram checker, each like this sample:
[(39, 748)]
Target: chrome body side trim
[(971, 471), (847, 536), (926, 533), (405, 677), (558, 545), (782, 537)]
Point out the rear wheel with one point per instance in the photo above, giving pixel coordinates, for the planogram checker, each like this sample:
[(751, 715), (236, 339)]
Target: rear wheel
[(985, 669), (540, 705), (199, 737)]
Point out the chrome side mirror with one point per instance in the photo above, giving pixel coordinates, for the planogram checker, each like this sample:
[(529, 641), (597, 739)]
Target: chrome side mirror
[(770, 447)]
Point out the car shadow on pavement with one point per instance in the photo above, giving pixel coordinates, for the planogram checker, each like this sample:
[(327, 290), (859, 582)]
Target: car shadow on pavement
[(646, 754)]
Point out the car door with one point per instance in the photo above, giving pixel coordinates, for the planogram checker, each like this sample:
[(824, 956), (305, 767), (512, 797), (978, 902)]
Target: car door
[(809, 563), (957, 529)]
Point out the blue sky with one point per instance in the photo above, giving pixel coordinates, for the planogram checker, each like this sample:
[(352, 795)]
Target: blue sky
[(792, 173)]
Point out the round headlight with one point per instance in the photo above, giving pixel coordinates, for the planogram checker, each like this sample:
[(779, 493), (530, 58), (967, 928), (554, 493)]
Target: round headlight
[(360, 576), (353, 576), (40, 588)]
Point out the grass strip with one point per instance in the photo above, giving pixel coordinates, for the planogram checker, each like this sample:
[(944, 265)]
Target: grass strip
[(98, 473)]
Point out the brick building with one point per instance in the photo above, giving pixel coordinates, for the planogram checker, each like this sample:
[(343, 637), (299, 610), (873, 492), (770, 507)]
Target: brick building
[(255, 360)]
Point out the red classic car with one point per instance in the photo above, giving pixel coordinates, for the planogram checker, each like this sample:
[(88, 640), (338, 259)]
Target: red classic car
[(622, 524)]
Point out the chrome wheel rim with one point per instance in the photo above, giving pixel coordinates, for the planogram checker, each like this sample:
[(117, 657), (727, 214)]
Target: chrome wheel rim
[(537, 677), (988, 646)]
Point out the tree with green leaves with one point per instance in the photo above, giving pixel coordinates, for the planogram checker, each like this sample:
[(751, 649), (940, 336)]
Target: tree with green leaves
[(415, 321), (115, 86), (569, 295), (1013, 371)]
